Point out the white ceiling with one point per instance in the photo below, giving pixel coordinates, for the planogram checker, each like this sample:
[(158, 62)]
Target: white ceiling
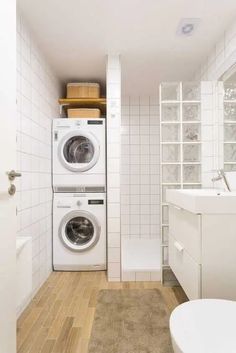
[(76, 35)]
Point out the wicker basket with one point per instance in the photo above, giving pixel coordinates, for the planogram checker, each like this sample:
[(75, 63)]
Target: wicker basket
[(83, 90), (84, 113)]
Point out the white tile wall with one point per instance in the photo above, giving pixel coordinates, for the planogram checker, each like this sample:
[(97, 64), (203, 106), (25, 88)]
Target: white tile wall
[(140, 167), (221, 58), (211, 131), (37, 94), (113, 165)]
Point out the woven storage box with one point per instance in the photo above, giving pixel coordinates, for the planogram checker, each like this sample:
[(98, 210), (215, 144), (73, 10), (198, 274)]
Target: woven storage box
[(83, 113), (83, 90)]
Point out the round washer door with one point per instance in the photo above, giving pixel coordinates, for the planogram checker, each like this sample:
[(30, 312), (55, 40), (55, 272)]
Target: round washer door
[(79, 230), (79, 151)]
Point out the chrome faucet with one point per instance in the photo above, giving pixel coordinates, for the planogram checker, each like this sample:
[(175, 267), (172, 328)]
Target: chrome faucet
[(221, 176)]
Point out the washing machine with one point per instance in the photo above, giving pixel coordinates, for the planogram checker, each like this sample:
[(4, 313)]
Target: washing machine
[(79, 232), (79, 155)]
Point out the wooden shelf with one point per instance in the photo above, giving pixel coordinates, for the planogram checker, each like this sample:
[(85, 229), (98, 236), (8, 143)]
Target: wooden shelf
[(99, 103)]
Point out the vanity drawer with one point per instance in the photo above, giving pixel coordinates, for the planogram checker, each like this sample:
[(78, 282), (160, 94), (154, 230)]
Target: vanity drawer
[(185, 227), (186, 270)]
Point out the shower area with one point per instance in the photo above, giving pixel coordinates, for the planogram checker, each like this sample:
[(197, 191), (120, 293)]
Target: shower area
[(175, 140), (140, 189)]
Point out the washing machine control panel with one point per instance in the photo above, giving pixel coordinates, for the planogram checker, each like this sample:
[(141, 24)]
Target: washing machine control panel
[(95, 202)]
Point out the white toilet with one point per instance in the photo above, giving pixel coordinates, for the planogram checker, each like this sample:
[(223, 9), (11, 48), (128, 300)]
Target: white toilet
[(204, 326)]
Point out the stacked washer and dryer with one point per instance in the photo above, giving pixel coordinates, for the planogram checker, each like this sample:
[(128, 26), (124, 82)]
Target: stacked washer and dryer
[(79, 185)]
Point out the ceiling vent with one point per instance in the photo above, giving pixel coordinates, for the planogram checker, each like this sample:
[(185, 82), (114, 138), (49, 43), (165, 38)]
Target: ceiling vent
[(188, 26)]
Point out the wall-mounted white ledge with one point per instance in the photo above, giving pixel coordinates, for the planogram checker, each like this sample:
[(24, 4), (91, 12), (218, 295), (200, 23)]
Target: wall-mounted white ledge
[(203, 201)]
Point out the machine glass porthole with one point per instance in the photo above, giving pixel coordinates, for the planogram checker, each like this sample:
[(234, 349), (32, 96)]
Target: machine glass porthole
[(79, 152), (78, 149), (79, 230)]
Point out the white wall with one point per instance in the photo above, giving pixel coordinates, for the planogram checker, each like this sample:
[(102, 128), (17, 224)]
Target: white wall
[(140, 181), (140, 167), (211, 131), (133, 167), (37, 94), (113, 166), (221, 58)]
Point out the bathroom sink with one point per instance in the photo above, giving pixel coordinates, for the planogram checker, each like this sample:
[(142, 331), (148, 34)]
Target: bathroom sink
[(207, 201)]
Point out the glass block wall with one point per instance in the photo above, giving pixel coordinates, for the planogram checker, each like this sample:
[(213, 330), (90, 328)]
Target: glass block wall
[(180, 140), (230, 126)]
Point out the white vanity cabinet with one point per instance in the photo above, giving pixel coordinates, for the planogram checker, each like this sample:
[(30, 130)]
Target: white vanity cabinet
[(185, 249), (202, 251)]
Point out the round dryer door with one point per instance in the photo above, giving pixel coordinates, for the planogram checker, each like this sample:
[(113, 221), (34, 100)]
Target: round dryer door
[(79, 151), (79, 230)]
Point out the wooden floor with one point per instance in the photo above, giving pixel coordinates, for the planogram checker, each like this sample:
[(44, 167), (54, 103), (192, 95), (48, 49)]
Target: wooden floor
[(60, 317)]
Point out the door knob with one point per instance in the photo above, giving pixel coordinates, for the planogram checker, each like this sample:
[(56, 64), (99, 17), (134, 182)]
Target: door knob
[(13, 174), (12, 190)]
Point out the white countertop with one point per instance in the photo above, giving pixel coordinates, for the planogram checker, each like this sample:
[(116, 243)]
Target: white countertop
[(203, 201)]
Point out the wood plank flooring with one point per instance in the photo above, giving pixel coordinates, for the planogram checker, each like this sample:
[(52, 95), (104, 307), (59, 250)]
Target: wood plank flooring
[(59, 319)]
